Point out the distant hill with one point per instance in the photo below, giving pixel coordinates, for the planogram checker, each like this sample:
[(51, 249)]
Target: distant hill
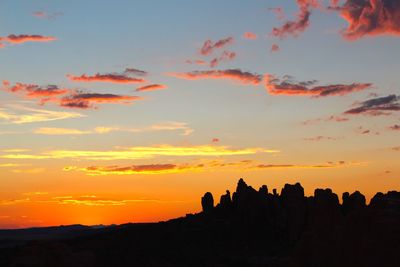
[(248, 228)]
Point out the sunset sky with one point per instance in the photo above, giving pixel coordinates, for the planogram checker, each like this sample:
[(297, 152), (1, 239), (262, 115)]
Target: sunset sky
[(129, 111)]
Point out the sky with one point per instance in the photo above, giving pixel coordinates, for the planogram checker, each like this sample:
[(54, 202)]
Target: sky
[(129, 111)]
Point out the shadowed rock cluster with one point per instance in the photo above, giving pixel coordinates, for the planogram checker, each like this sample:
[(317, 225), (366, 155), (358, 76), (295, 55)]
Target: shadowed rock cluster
[(247, 228)]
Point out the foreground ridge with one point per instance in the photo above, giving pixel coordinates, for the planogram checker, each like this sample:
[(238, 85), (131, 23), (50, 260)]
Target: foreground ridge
[(247, 228)]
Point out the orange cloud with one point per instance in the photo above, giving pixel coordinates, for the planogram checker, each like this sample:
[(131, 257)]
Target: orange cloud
[(125, 77), (286, 86), (85, 100), (226, 56), (196, 61), (209, 46), (370, 18), (232, 74), (299, 25), (138, 169), (23, 38), (151, 87), (250, 36), (329, 164), (44, 93)]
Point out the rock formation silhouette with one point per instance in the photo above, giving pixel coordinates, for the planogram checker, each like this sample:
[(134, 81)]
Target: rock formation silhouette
[(250, 228)]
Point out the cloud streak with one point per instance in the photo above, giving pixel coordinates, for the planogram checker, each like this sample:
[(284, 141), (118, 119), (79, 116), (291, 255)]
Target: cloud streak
[(126, 77), (376, 106), (286, 86), (151, 87), (24, 38), (141, 153), (82, 100), (230, 74), (30, 115)]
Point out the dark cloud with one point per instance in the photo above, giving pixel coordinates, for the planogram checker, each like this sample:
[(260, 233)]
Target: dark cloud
[(126, 77), (87, 100), (370, 18), (226, 56), (376, 106), (151, 87), (287, 86)]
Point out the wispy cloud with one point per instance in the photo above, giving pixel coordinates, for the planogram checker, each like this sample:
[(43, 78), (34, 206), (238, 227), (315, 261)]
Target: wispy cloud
[(287, 86), (131, 153), (23, 38), (138, 169), (163, 126), (47, 15), (43, 93), (230, 74), (151, 87), (17, 114), (225, 56), (209, 46), (300, 24), (83, 100), (275, 48), (376, 106), (126, 77)]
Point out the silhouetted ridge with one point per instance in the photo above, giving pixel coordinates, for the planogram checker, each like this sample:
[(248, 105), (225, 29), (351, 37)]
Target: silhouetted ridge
[(246, 228)]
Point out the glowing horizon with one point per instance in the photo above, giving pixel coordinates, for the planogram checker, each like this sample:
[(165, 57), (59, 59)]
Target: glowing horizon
[(129, 112)]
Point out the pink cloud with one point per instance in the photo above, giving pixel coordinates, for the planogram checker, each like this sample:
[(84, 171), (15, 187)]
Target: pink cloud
[(231, 74), (151, 87), (209, 46), (124, 78)]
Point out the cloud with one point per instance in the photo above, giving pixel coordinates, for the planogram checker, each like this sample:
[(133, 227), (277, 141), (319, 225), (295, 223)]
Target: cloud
[(250, 36), (326, 165), (84, 100), (286, 86), (138, 169), (278, 11), (328, 119), (225, 56), (59, 131), (209, 46), (30, 115), (163, 126), (301, 23), (132, 153), (151, 87), (397, 148), (126, 77), (196, 61), (320, 138), (376, 106), (231, 74), (23, 38), (45, 15), (275, 48), (370, 18), (215, 140), (44, 93), (395, 127)]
